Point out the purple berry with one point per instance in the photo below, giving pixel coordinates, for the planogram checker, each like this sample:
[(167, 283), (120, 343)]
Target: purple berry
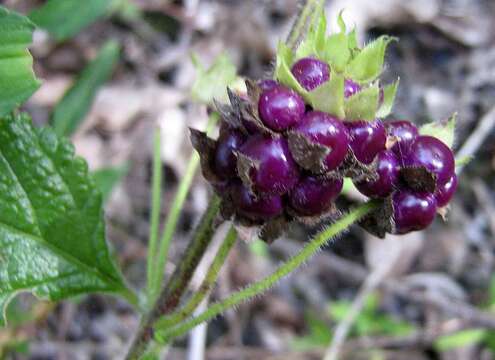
[(445, 192), (273, 171), (225, 160), (326, 130), (367, 139), (267, 84), (413, 211), (311, 72), (313, 196), (388, 175), (434, 155), (280, 108), (405, 133), (252, 207), (351, 88)]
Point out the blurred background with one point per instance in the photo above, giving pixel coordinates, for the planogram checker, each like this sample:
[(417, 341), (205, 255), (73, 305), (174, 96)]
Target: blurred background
[(427, 295)]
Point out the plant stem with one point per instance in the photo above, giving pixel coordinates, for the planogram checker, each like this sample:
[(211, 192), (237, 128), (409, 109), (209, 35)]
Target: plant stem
[(173, 216), (307, 15), (206, 286), (170, 295), (155, 212), (257, 288)]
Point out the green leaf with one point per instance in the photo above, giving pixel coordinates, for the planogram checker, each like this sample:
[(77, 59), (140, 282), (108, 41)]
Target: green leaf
[(77, 101), (337, 52), (212, 83), (363, 104), (17, 79), (389, 93), (107, 178), (65, 18), (285, 58), (443, 130), (368, 63), (52, 232), (459, 339), (314, 43), (329, 97)]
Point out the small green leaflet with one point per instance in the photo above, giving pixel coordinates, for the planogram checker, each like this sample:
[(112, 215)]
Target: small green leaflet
[(65, 18), (389, 92), (212, 83), (362, 105), (329, 97), (443, 130), (17, 79), (77, 101), (52, 232)]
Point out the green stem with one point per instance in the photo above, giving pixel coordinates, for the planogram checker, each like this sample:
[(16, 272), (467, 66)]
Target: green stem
[(206, 286), (173, 216), (307, 15), (257, 288), (155, 212)]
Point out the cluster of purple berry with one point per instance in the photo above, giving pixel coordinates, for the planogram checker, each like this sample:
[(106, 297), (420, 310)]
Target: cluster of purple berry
[(277, 159)]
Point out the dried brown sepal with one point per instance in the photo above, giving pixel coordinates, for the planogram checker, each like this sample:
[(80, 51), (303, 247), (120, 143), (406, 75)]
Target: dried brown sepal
[(228, 115), (253, 91), (308, 154), (235, 101), (443, 212), (419, 178), (206, 150), (245, 165), (249, 113), (354, 169), (273, 229), (380, 221), (331, 213)]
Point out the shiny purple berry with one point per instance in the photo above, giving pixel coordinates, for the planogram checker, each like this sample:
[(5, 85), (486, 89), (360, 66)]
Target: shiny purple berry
[(255, 208), (225, 162), (351, 88), (446, 191), (324, 129), (280, 108), (367, 139), (311, 72), (313, 196), (267, 84), (404, 133), (434, 155), (413, 211), (388, 176), (273, 170)]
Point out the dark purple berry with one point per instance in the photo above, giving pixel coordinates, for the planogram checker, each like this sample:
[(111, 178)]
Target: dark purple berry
[(445, 192), (367, 139), (388, 175), (311, 72), (313, 196), (267, 84), (351, 88), (252, 207), (280, 108), (273, 170), (404, 133), (225, 160), (434, 155), (326, 130), (413, 211)]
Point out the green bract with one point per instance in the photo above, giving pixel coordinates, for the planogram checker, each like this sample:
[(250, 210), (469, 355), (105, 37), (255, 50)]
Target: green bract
[(443, 130), (347, 61), (17, 79), (52, 233)]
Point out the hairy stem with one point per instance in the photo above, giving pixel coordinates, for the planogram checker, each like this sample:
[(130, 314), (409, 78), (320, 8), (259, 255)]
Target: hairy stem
[(155, 212), (173, 216), (259, 287), (170, 295), (307, 15), (206, 286)]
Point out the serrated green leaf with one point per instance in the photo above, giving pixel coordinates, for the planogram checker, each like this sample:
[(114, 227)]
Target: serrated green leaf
[(444, 131), (352, 40), (283, 73), (212, 83), (17, 79), (389, 93), (368, 63), (329, 97), (460, 339), (52, 232), (107, 178), (363, 104), (77, 101), (337, 52), (341, 22), (64, 19), (314, 43)]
